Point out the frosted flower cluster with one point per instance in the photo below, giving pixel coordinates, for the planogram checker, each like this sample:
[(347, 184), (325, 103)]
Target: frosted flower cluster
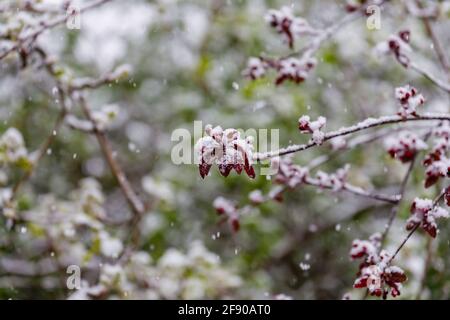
[(76, 226), (424, 213), (12, 147), (227, 149), (375, 272), (436, 162), (409, 99), (288, 25), (292, 69), (295, 70), (404, 146), (196, 274), (305, 125)]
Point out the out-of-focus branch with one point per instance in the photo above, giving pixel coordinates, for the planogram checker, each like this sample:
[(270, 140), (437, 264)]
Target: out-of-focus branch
[(436, 43), (135, 203), (426, 266), (441, 84), (45, 25), (40, 153), (355, 190)]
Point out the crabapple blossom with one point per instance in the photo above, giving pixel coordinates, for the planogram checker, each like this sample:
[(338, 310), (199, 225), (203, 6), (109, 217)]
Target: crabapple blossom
[(436, 162), (289, 26), (305, 125), (375, 273), (424, 213), (227, 150), (404, 146), (435, 170), (409, 100), (365, 248), (379, 282)]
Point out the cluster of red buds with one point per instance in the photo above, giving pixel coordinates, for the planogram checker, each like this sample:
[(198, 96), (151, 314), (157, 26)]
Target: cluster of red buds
[(404, 146), (289, 26), (375, 273), (288, 69), (305, 125), (227, 149), (435, 170), (398, 45), (436, 163), (354, 5), (289, 174), (256, 68), (335, 181), (425, 213), (409, 100), (295, 70), (228, 210)]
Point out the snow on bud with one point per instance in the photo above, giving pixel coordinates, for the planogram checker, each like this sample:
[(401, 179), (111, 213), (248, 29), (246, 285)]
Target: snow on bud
[(436, 170), (227, 150), (12, 146), (362, 248), (447, 196), (424, 213), (409, 100), (256, 197), (305, 125), (256, 68), (398, 45), (404, 146), (229, 210), (289, 174), (293, 69), (289, 26), (436, 163), (375, 274), (106, 116)]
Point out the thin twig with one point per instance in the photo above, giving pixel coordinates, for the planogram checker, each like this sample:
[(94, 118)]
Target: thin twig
[(436, 43), (355, 190), (441, 84), (46, 25), (135, 203), (435, 202), (366, 124)]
